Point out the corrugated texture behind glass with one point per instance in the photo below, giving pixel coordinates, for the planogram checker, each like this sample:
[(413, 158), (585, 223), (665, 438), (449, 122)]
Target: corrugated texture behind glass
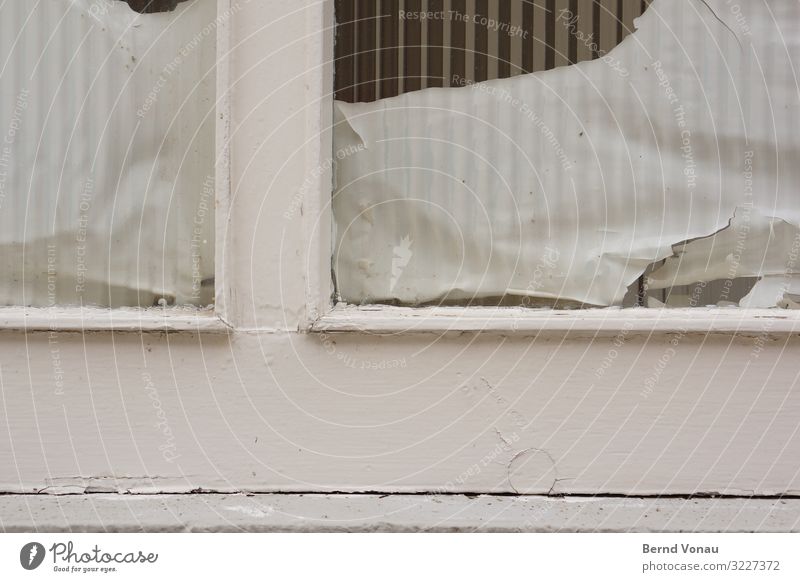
[(528, 36), (108, 154), (380, 50)]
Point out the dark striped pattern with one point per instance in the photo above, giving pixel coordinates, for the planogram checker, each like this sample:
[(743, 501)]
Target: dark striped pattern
[(458, 44), (388, 47)]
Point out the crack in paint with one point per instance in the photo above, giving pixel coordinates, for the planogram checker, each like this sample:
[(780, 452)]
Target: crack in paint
[(725, 24)]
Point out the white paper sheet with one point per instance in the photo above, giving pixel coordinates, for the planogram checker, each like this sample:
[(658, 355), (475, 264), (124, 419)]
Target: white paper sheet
[(107, 121), (569, 183)]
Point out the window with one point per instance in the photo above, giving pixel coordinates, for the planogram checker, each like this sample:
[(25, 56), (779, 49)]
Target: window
[(479, 161), (108, 161), (387, 413)]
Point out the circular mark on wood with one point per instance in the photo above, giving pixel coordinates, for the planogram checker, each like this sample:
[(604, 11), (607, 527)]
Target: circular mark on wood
[(532, 471)]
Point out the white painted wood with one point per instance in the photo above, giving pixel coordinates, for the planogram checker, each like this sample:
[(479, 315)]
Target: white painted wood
[(276, 410), (317, 228), (392, 513), (222, 161), (386, 319), (54, 319), (277, 239), (267, 412)]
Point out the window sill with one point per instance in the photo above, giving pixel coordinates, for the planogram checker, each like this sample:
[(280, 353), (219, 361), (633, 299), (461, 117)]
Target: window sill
[(379, 319), (83, 319)]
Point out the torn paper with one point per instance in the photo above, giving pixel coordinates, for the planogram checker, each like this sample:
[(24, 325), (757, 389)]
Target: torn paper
[(569, 183)]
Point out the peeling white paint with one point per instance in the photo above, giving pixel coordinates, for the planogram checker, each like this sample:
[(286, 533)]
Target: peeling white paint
[(250, 511)]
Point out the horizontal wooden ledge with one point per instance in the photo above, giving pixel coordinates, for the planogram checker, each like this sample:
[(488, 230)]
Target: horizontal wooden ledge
[(391, 320), (391, 513), (83, 319)]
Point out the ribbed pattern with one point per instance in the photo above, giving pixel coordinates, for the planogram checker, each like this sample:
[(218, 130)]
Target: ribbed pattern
[(383, 49), (112, 114), (610, 162)]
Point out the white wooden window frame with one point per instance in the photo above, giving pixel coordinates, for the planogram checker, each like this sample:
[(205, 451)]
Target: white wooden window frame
[(246, 301), (383, 319), (71, 318), (414, 429)]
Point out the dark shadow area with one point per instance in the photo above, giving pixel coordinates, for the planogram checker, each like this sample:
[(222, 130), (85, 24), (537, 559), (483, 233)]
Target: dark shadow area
[(151, 6)]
